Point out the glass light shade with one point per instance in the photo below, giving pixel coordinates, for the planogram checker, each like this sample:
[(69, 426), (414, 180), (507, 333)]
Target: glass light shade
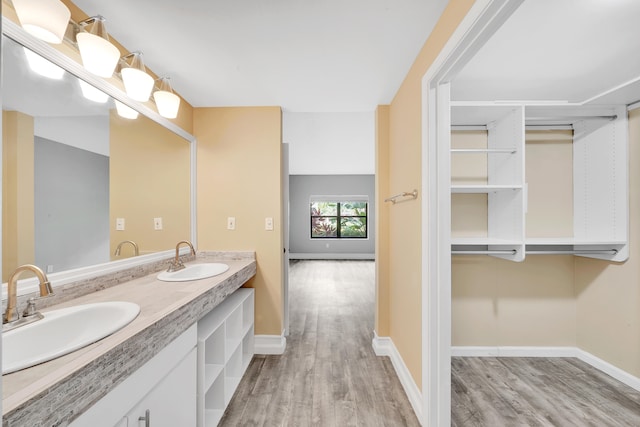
[(99, 55), (125, 111), (92, 93), (44, 19), (42, 66), (137, 83), (168, 103)]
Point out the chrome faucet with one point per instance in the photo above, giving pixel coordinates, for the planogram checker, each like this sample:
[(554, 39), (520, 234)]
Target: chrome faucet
[(11, 315), (176, 264), (135, 247)]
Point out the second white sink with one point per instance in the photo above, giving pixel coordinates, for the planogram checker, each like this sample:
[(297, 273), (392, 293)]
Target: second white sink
[(194, 272), (63, 331)]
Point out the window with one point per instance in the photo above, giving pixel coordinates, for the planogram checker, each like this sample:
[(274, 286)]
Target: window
[(339, 220)]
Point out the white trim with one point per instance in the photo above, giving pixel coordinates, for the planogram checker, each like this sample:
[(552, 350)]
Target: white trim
[(383, 346), (332, 256), (269, 344), (606, 367), (602, 365), (513, 351), (478, 25)]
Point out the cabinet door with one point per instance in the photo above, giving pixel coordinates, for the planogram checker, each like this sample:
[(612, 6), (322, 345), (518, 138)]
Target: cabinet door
[(172, 402)]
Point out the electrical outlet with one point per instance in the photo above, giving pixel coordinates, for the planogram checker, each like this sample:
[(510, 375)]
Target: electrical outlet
[(49, 268), (231, 223), (157, 223), (120, 224), (268, 224)]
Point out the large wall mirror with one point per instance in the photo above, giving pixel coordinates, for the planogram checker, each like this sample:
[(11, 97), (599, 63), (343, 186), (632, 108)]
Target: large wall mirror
[(78, 180)]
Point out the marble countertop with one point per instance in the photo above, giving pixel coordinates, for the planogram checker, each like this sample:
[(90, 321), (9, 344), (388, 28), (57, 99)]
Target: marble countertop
[(56, 392)]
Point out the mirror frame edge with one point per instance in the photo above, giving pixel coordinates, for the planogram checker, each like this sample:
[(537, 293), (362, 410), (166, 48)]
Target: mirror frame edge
[(13, 31)]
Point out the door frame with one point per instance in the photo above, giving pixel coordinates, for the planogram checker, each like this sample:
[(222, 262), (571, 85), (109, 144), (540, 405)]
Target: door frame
[(480, 23)]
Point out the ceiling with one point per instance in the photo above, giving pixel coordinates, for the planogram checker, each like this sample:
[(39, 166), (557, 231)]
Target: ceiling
[(561, 50), (303, 55)]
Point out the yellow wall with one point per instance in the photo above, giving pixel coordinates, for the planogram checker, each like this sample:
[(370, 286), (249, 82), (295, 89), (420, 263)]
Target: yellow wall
[(549, 175), (503, 303), (239, 170), (149, 177), (403, 220), (18, 240), (608, 294), (382, 227)]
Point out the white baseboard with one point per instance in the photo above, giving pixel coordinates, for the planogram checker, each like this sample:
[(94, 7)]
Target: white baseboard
[(609, 369), (332, 256), (513, 351), (383, 346), (269, 344), (613, 371)]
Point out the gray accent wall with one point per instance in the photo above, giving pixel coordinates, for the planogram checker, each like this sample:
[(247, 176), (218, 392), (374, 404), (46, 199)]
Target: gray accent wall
[(71, 206), (301, 188)]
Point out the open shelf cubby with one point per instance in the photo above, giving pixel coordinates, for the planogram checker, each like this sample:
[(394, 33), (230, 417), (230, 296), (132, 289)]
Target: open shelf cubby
[(225, 349)]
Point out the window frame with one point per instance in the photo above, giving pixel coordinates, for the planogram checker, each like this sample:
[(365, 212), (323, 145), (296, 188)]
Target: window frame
[(339, 201)]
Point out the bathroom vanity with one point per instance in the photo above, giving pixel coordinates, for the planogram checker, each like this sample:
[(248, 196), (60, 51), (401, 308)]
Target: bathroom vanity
[(152, 363)]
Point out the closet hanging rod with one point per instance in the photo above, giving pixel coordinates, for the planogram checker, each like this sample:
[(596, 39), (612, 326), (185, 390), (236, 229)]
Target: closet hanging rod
[(576, 252), (393, 199), (529, 126), (490, 252), (484, 150)]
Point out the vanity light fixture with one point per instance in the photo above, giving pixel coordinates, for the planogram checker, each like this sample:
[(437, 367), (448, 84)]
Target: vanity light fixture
[(44, 19), (92, 93), (167, 102), (98, 54), (137, 83), (125, 111), (42, 66)]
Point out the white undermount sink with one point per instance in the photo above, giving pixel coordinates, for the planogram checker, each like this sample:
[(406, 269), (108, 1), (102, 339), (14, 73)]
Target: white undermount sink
[(63, 331), (194, 272)]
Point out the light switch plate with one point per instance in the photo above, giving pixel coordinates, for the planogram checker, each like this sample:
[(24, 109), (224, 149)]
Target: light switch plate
[(157, 223), (268, 224), (231, 223), (120, 224)]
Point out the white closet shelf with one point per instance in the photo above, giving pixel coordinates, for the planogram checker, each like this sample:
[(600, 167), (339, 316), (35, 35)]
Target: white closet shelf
[(473, 189)]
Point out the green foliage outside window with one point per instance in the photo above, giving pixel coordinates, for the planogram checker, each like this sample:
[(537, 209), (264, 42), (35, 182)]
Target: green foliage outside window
[(336, 220)]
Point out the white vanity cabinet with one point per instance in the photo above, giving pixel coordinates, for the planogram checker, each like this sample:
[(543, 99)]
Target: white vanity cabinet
[(165, 386), (171, 402), (225, 349)]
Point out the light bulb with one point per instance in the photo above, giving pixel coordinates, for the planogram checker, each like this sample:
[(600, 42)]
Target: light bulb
[(168, 103), (43, 66), (92, 93), (137, 83), (99, 55), (125, 111), (44, 19)]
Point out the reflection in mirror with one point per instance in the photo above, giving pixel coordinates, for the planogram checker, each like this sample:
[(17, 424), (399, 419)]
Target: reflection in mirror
[(78, 179)]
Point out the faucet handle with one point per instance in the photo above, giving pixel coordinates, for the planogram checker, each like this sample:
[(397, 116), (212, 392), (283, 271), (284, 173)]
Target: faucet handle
[(30, 309)]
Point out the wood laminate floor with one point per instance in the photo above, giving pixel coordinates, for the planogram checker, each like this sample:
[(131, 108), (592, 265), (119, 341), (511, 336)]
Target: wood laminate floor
[(557, 392), (329, 375)]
